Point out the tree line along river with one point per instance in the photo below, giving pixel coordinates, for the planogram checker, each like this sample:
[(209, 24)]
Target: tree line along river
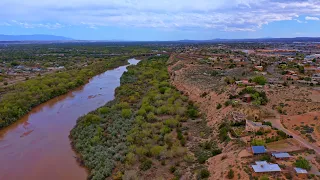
[(37, 146)]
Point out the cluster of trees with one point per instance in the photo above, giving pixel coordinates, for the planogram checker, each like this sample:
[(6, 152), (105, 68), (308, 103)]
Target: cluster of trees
[(22, 97), (48, 52), (302, 163), (143, 126), (259, 97), (261, 80)]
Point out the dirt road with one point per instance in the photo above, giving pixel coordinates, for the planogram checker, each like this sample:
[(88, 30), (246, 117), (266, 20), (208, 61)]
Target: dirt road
[(276, 123)]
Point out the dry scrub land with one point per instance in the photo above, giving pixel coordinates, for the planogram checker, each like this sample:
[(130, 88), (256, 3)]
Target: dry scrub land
[(200, 82)]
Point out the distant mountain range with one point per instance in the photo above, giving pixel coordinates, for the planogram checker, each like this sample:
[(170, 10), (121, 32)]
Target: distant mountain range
[(35, 37), (50, 38), (267, 39)]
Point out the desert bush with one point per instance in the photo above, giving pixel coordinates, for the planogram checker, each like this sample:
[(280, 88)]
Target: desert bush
[(231, 174), (126, 113), (145, 165), (204, 173), (104, 110), (302, 163)]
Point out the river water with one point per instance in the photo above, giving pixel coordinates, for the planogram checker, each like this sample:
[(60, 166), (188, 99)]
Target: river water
[(37, 146)]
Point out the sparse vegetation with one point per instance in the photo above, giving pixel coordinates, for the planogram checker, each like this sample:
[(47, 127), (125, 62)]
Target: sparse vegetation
[(231, 174), (261, 80)]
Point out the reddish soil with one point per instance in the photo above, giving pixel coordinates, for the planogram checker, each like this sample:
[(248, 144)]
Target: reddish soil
[(206, 92)]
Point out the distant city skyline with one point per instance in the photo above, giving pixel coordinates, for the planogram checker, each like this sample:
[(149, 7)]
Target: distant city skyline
[(147, 20)]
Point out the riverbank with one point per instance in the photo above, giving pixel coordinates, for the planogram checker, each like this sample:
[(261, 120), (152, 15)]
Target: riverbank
[(38, 147), (149, 130), (19, 99)]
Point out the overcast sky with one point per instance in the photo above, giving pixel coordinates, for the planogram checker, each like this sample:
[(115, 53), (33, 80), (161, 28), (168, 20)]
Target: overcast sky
[(161, 19)]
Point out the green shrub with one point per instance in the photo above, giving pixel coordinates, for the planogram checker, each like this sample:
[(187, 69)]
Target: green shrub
[(257, 142), (91, 119), (265, 157), (151, 117), (227, 103), (261, 80), (123, 105), (156, 150), (219, 106), (204, 173), (104, 110), (131, 158), (171, 123), (188, 158), (165, 130), (173, 169), (223, 134), (216, 152), (267, 123), (192, 111), (282, 134), (145, 165), (302, 163), (142, 112), (231, 174), (264, 177), (126, 113)]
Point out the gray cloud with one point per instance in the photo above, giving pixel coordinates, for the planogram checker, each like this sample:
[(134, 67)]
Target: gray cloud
[(225, 15)]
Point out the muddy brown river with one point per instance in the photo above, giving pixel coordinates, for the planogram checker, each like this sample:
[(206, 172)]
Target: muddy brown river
[(37, 146)]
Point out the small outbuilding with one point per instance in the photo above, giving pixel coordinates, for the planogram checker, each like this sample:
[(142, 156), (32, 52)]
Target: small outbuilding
[(247, 98), (302, 173), (281, 155)]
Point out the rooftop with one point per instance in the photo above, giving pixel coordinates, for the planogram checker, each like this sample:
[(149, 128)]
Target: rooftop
[(263, 166), (281, 155), (300, 170), (258, 149), (258, 124)]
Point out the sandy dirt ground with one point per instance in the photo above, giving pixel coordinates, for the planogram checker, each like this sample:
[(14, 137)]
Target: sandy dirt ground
[(195, 87), (304, 125), (294, 100), (207, 91)]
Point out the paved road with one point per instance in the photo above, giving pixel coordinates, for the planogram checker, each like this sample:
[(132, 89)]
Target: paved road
[(276, 122)]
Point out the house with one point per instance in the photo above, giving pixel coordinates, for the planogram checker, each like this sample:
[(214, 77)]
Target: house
[(290, 72), (316, 77), (259, 68), (238, 117), (281, 155), (247, 98), (302, 173), (264, 167), (275, 81), (255, 126), (258, 86), (258, 150), (307, 82)]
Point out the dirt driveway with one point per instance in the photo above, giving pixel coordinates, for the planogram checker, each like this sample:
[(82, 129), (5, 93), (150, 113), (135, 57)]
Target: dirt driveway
[(276, 123)]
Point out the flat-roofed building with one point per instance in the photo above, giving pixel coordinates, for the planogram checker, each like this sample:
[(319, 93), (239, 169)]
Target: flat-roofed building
[(264, 167), (281, 155)]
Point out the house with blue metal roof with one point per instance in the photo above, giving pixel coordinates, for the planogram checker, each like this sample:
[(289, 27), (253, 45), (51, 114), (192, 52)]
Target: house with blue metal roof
[(258, 150)]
